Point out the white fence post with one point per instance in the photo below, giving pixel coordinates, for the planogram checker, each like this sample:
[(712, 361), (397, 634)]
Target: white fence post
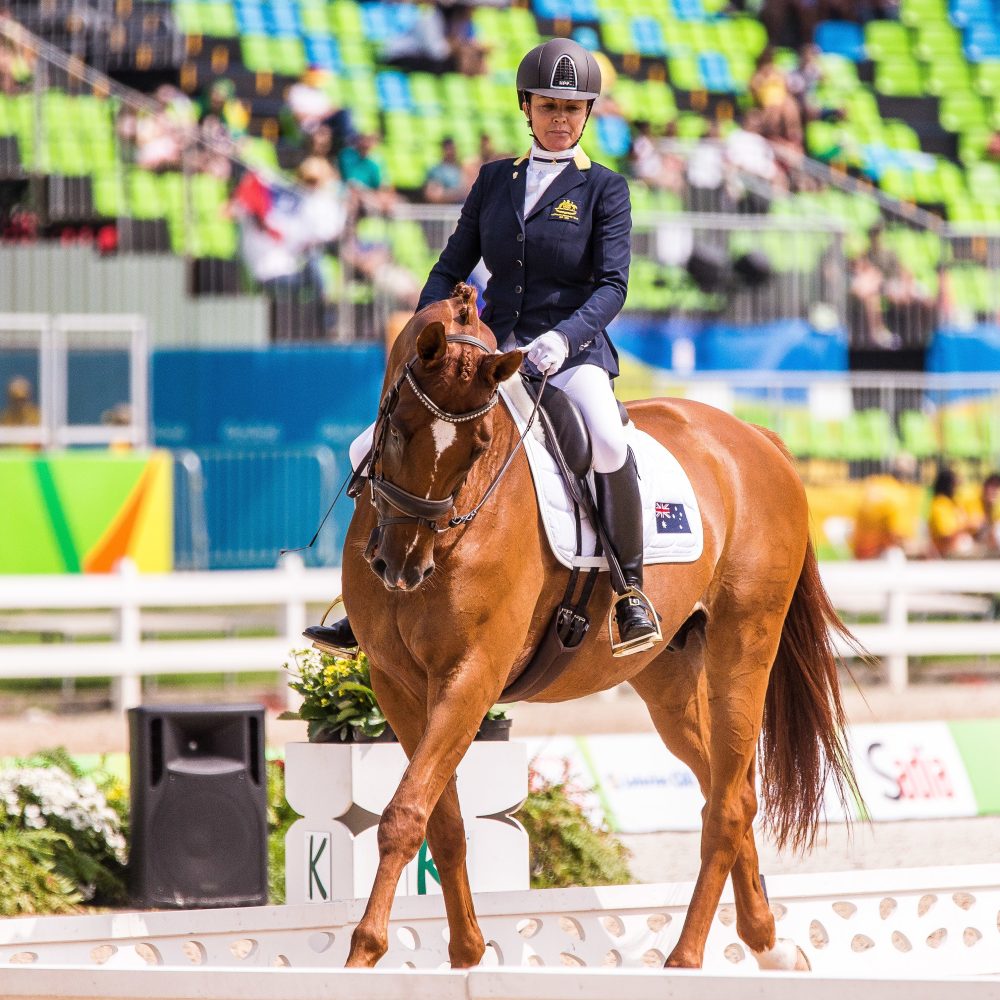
[(897, 616), (127, 686), (295, 613)]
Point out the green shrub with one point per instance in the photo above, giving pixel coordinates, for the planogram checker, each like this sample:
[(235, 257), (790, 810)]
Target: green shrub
[(280, 816), (566, 848), (63, 836)]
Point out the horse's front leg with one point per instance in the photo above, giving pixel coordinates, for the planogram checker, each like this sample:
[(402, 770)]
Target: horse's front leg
[(456, 708), (446, 837)]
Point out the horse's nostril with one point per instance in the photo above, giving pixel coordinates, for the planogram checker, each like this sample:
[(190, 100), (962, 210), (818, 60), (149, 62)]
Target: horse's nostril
[(428, 571), (378, 566)]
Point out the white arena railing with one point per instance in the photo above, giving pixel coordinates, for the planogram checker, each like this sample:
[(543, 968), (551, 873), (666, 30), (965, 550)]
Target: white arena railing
[(898, 932), (132, 616)]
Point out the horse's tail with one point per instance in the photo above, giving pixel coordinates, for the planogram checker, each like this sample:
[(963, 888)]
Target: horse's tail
[(802, 741)]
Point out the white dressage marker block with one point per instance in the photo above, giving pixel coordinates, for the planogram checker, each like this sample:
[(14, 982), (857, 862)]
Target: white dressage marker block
[(341, 790)]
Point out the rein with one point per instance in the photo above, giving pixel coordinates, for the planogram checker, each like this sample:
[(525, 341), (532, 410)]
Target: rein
[(421, 510)]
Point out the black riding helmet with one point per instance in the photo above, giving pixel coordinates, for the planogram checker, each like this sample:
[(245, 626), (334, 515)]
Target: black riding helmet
[(559, 68)]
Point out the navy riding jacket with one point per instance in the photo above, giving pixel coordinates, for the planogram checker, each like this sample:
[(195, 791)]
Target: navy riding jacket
[(563, 268)]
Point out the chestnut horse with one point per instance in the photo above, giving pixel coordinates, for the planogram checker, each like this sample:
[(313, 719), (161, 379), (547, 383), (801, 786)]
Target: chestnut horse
[(756, 666)]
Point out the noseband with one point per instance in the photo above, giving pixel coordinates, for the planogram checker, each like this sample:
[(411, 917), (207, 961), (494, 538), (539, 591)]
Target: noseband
[(420, 510)]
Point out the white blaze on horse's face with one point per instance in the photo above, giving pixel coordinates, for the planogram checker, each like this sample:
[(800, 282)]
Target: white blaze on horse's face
[(444, 434)]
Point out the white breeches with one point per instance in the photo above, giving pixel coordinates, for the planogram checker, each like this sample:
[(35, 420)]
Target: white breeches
[(590, 388)]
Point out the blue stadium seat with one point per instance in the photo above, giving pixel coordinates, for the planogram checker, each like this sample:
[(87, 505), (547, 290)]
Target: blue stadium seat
[(842, 38), (281, 18), (647, 36), (393, 89), (555, 9), (982, 41), (250, 19), (688, 10), (323, 51), (376, 21), (714, 68), (964, 12), (587, 37), (614, 135)]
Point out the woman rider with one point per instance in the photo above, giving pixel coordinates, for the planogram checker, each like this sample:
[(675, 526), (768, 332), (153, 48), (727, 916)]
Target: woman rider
[(553, 229)]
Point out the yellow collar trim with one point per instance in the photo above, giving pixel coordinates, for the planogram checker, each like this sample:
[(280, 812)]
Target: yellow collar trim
[(581, 160)]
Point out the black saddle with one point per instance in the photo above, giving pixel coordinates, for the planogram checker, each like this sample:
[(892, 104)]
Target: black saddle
[(565, 427)]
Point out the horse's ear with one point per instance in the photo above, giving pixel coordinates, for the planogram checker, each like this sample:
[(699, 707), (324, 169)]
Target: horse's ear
[(432, 343), (498, 368)]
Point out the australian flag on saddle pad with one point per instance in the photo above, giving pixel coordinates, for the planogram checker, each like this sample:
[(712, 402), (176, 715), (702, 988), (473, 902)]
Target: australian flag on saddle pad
[(671, 519)]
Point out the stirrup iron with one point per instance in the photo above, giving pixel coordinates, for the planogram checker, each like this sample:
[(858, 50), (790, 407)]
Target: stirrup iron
[(641, 643), (341, 652)]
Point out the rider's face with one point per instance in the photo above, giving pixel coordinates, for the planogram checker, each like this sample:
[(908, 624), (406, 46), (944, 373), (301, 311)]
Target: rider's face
[(556, 122)]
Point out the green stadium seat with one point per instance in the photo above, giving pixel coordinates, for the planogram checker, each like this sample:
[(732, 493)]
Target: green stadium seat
[(887, 40), (938, 40), (218, 20), (914, 12), (960, 435), (961, 110), (684, 73), (918, 434), (947, 76), (145, 199), (899, 78)]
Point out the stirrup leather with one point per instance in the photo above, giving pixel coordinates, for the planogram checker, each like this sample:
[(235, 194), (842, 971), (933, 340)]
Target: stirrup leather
[(348, 652), (642, 642)]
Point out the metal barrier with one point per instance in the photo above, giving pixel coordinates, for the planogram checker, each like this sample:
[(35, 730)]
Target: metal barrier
[(238, 508)]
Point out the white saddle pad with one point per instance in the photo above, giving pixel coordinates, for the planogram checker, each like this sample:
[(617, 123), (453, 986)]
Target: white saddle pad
[(672, 527)]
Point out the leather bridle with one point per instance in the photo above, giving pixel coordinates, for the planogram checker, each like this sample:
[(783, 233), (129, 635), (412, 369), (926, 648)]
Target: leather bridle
[(420, 510)]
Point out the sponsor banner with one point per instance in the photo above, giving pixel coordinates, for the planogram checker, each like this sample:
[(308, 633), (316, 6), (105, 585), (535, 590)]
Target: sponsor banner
[(911, 770)]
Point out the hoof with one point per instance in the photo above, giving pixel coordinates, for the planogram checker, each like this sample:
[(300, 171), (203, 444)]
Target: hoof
[(785, 956)]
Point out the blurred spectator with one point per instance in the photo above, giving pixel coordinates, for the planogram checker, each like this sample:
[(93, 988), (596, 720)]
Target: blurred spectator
[(987, 515), (804, 82), (885, 515), (445, 182), (363, 172), (880, 285), (309, 108), (425, 48), (17, 59), (749, 152), (706, 172), (282, 233), (487, 154), (780, 119), (222, 112), (468, 53), (20, 410), (162, 133), (648, 164), (949, 526)]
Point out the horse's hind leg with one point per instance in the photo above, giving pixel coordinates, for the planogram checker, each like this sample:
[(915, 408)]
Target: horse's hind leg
[(675, 691)]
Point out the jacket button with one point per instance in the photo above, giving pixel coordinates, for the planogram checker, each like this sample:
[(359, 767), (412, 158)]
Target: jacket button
[(520, 237), (518, 289), (518, 263), (517, 312)]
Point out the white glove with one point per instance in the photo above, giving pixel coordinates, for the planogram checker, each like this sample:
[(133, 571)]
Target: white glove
[(548, 352)]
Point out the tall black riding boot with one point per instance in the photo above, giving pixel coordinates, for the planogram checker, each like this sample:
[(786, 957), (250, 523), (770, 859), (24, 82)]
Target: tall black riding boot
[(620, 508), (337, 639)]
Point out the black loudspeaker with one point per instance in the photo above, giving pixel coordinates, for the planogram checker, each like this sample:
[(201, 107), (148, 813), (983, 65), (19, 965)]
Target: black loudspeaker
[(199, 806)]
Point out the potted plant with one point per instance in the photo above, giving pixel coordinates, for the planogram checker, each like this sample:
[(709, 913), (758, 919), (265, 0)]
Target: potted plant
[(339, 705), (341, 780)]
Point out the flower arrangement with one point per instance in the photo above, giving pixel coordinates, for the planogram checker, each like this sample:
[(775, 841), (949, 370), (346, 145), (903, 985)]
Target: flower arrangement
[(338, 702), (62, 835)]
